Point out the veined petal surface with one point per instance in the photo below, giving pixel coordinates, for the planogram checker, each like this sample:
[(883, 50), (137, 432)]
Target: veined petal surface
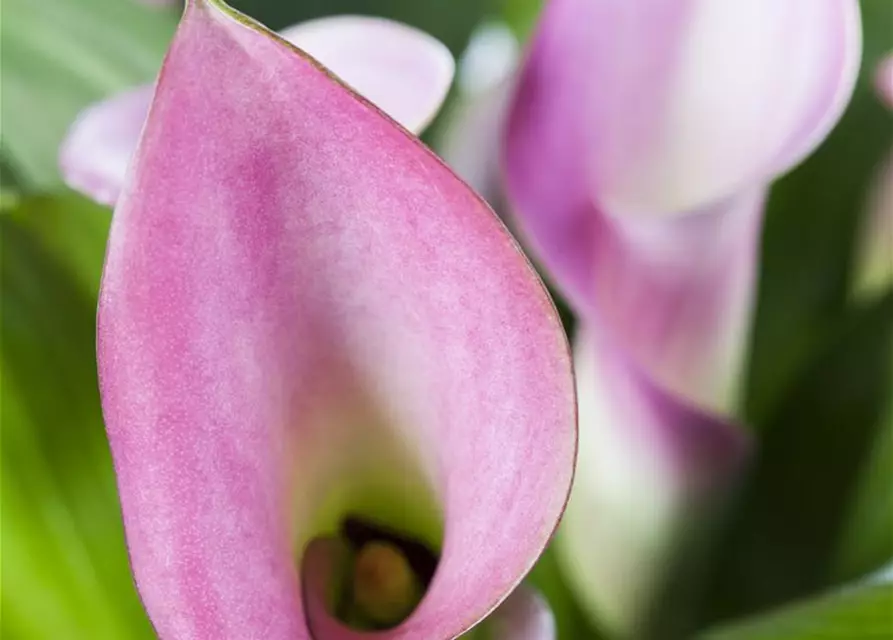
[(291, 279)]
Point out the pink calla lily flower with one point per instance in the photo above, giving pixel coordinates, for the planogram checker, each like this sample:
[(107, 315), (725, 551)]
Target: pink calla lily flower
[(333, 385), (404, 71), (639, 148)]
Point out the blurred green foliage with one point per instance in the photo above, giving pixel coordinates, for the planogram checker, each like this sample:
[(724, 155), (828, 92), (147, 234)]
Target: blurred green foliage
[(59, 56), (816, 510), (64, 567), (861, 612)]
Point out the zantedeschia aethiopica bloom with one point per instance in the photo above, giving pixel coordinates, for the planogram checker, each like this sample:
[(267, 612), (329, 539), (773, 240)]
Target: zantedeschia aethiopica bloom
[(403, 71), (641, 142), (309, 326)]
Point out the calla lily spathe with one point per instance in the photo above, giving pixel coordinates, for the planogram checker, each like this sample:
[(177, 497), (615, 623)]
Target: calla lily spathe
[(639, 148), (301, 302), (404, 71)]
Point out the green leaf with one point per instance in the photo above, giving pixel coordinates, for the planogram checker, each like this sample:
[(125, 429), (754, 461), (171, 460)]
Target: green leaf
[(867, 538), (65, 568), (810, 230), (860, 613), (783, 542), (58, 57)]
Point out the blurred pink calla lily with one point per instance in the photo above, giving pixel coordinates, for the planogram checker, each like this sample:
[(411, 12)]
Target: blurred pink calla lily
[(404, 71), (640, 145), (884, 80), (307, 320), (679, 104)]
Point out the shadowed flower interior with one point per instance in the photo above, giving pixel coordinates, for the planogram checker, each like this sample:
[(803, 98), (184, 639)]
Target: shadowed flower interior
[(372, 485)]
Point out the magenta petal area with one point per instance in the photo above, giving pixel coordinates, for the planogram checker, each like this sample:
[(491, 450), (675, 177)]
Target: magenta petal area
[(675, 294), (288, 271)]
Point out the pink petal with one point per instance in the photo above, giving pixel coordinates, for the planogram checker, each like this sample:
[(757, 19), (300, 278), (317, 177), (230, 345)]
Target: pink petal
[(96, 152), (884, 80), (296, 288), (669, 106), (675, 294), (404, 71), (650, 470)]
